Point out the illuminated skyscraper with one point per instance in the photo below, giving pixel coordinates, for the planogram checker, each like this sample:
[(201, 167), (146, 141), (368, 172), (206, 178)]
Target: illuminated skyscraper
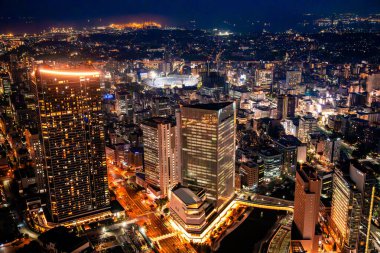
[(71, 122), (208, 149), (346, 211), (306, 207), (160, 155), (365, 179)]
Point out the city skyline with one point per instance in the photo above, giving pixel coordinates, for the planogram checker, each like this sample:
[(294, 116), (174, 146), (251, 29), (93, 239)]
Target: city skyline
[(240, 16), (189, 126)]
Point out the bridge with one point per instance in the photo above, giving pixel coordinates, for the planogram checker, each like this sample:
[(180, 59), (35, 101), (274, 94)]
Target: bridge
[(264, 202), (162, 237)]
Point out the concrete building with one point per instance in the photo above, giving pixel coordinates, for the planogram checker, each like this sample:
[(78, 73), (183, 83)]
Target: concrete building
[(286, 106), (34, 146), (365, 181), (346, 212), (252, 174), (332, 149), (124, 105), (307, 125), (293, 151), (306, 207), (264, 77), (272, 160), (189, 208), (293, 78), (160, 155), (161, 107)]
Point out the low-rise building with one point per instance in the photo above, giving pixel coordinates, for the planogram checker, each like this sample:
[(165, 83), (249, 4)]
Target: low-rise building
[(189, 208), (60, 240)]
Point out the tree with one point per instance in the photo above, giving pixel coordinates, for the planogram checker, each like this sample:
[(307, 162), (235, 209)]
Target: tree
[(161, 202)]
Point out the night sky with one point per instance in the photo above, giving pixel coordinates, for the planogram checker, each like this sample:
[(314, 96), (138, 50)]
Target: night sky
[(207, 13)]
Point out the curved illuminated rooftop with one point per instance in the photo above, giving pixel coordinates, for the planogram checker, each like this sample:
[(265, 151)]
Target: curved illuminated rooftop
[(68, 72), (172, 81)]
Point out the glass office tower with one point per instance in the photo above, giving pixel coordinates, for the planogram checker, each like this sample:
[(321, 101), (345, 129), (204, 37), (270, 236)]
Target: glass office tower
[(72, 132), (208, 149)]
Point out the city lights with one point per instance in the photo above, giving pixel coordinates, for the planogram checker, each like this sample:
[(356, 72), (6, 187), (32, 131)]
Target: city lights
[(232, 131), (70, 73)]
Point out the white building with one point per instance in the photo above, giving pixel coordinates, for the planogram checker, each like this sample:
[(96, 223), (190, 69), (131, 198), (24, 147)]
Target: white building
[(189, 208), (160, 155)]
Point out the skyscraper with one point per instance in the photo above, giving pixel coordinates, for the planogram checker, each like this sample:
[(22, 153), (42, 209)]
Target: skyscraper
[(160, 155), (286, 106), (346, 211), (208, 149), (71, 124), (306, 207), (365, 180)]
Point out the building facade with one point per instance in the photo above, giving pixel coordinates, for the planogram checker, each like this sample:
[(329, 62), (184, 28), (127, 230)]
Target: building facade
[(346, 212), (72, 132), (208, 149), (160, 155), (306, 207)]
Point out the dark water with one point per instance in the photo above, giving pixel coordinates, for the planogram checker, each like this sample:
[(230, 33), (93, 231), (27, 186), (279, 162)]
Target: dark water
[(251, 231)]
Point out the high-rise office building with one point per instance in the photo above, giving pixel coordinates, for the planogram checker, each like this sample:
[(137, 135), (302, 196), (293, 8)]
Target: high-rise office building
[(71, 126), (306, 207), (124, 105), (286, 106), (365, 180), (307, 125), (208, 149), (160, 155), (272, 159), (293, 78), (346, 211), (161, 107), (5, 84), (293, 151), (331, 150), (213, 83), (264, 77)]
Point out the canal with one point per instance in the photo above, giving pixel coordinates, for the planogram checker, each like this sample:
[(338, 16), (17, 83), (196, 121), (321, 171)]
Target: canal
[(248, 236)]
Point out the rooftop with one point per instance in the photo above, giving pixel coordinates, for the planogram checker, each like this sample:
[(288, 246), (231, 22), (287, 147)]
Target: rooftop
[(269, 151), (289, 141), (212, 106), (68, 70), (307, 172), (186, 195), (155, 121), (63, 239)]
